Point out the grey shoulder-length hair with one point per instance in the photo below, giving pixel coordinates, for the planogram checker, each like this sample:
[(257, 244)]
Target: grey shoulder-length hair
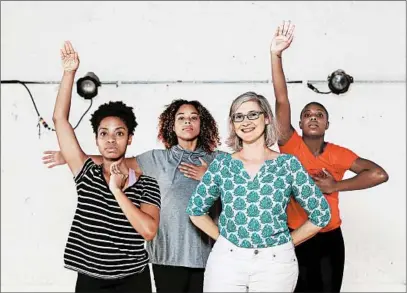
[(271, 130)]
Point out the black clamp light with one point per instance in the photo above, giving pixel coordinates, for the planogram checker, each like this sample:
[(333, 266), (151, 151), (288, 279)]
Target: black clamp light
[(338, 82), (87, 86)]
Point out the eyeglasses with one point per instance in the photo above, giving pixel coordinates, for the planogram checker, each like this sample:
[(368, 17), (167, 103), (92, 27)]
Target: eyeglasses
[(253, 115)]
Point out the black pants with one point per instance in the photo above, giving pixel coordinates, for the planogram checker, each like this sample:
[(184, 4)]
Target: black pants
[(140, 282), (178, 279), (321, 261)]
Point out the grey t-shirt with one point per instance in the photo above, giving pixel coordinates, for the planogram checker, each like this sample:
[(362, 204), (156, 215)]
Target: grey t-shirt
[(178, 241)]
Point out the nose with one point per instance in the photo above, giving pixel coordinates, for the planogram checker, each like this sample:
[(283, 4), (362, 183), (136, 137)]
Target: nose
[(111, 139), (313, 118), (245, 119)]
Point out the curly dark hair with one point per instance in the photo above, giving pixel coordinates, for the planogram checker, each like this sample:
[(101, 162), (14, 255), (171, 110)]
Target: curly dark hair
[(116, 109), (208, 137)]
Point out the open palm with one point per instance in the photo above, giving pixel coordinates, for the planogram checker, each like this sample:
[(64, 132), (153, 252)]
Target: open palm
[(282, 38), (70, 59)]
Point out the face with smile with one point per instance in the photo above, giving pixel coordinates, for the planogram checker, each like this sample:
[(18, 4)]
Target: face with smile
[(314, 121), (252, 127), (113, 138), (187, 124)]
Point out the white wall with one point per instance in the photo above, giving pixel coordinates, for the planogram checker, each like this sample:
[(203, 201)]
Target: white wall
[(195, 41)]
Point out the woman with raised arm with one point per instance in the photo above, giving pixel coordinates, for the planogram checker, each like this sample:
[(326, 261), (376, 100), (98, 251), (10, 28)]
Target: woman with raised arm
[(321, 260), (113, 218), (179, 251), (254, 250)]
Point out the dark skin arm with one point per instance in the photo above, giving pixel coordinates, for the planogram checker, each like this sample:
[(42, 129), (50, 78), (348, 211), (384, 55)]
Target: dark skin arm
[(281, 41), (55, 158), (368, 174)]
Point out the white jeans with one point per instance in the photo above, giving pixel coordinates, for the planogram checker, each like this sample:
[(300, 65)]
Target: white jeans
[(235, 269)]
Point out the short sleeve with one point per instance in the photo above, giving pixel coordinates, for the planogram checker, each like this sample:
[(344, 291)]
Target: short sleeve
[(146, 163), (151, 191), (87, 165), (308, 195), (344, 157), (292, 144), (206, 193)]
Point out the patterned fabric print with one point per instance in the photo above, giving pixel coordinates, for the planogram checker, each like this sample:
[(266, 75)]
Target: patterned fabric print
[(253, 214)]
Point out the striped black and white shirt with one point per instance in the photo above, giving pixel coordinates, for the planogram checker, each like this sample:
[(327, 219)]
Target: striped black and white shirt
[(102, 243)]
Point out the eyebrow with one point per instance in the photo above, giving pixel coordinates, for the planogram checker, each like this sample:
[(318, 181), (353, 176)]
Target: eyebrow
[(248, 111), (184, 113), (104, 128)]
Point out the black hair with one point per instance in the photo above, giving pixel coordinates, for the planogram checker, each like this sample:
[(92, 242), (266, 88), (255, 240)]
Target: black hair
[(114, 109), (318, 105)]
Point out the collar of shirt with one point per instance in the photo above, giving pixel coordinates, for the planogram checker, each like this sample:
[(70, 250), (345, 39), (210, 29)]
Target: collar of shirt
[(186, 156)]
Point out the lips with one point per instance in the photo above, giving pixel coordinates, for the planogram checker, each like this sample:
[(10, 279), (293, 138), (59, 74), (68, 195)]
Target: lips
[(111, 149), (313, 125), (246, 130), (187, 129)]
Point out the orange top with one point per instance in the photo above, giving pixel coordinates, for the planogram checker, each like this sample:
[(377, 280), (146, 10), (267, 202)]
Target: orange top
[(335, 159)]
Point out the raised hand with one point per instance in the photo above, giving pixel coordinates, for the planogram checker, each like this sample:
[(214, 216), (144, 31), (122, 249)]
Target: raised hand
[(193, 171), (53, 158), (282, 38), (70, 58)]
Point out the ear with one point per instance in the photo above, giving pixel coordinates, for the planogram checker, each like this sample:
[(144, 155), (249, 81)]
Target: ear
[(130, 139), (327, 125), (300, 124), (267, 121), (96, 139)]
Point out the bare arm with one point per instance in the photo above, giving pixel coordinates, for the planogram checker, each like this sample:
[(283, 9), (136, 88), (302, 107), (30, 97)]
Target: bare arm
[(369, 174), (145, 220), (55, 158), (207, 225), (281, 41), (304, 232), (68, 143)]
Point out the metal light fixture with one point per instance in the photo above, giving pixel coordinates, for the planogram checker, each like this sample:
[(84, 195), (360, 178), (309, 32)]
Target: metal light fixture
[(339, 82), (87, 86)]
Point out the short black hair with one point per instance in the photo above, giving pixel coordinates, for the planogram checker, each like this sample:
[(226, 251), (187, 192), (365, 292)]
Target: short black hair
[(114, 109), (316, 104)]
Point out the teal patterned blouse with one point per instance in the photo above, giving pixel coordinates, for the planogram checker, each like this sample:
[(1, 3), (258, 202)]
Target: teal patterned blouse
[(254, 209)]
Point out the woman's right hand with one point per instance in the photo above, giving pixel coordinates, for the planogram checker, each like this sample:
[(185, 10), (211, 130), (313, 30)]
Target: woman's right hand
[(193, 171), (70, 58), (53, 158)]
